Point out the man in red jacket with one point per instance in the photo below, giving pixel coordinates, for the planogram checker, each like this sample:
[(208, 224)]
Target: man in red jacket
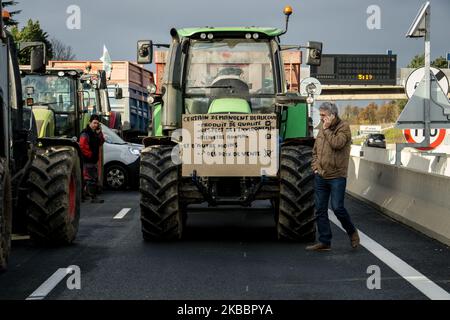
[(91, 139)]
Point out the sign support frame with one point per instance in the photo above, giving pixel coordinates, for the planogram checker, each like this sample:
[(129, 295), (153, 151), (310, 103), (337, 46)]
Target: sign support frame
[(427, 126)]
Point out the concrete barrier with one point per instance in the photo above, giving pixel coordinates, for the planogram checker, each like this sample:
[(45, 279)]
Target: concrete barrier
[(429, 163), (418, 199)]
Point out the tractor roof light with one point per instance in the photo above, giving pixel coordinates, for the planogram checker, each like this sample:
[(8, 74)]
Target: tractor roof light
[(287, 10), (61, 74), (203, 36), (248, 36), (210, 36), (255, 36)]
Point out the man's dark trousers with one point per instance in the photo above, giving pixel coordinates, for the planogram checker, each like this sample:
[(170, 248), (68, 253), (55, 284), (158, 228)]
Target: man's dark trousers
[(324, 188)]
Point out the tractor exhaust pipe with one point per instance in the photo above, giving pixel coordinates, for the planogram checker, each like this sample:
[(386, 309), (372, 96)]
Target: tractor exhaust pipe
[(172, 101)]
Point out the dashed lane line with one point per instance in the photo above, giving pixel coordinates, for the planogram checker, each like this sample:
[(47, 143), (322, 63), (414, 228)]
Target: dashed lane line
[(122, 213), (45, 288)]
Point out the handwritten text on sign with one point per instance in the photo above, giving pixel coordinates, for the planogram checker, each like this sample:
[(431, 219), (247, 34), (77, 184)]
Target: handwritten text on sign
[(229, 145)]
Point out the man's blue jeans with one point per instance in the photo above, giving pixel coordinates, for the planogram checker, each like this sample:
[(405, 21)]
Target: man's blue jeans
[(324, 188)]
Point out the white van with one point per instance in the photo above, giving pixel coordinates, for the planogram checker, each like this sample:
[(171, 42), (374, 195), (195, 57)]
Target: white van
[(120, 161)]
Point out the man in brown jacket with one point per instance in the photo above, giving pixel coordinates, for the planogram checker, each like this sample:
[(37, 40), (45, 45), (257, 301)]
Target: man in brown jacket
[(331, 154)]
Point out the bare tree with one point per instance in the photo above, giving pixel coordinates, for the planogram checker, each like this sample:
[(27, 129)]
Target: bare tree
[(61, 51)]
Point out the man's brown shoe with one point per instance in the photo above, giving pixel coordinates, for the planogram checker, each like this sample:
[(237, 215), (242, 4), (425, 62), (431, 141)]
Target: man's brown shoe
[(354, 239), (318, 247)]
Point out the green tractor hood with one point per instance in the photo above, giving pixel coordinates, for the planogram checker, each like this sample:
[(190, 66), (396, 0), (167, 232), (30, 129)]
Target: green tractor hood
[(229, 105)]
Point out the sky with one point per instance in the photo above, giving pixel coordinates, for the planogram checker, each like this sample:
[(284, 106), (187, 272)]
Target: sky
[(340, 24)]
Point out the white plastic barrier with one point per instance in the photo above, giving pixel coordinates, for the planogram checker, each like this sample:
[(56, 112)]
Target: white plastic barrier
[(418, 199)]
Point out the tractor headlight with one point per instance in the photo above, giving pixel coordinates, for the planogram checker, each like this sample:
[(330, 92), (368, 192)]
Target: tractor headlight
[(134, 151), (151, 88)]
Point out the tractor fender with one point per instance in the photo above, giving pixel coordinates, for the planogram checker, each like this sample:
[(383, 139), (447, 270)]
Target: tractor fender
[(306, 141), (156, 141), (50, 142)]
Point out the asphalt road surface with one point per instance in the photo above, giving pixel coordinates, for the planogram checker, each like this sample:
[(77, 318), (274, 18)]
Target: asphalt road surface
[(230, 253)]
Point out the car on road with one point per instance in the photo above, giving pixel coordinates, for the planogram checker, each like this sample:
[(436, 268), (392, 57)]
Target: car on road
[(376, 140), (120, 161)]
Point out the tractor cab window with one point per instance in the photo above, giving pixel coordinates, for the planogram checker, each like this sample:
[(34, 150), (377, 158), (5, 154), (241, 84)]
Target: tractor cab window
[(50, 90), (57, 95), (239, 68)]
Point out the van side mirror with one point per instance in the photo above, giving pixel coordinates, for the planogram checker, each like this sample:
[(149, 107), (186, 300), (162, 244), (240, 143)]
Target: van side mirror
[(314, 53), (144, 51)]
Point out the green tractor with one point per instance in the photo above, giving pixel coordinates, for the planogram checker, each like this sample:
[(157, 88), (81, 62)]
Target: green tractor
[(63, 99), (224, 75), (40, 189)]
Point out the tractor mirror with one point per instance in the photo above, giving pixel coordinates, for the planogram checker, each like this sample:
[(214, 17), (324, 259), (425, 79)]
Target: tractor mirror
[(144, 51), (102, 83), (38, 59), (118, 93), (29, 90), (314, 53), (288, 99)]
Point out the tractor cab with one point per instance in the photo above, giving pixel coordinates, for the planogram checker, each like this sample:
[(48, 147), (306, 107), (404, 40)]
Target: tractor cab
[(54, 99)]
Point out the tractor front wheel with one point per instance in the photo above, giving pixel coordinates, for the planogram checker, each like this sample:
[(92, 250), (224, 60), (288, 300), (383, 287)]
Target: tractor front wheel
[(161, 210), (295, 206), (54, 196)]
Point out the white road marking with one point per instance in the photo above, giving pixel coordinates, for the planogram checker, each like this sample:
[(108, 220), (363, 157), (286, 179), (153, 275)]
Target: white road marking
[(122, 213), (414, 277), (45, 288)]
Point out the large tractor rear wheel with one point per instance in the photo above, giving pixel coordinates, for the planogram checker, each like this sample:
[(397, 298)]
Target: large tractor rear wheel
[(161, 211), (5, 215), (295, 214), (54, 196)]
